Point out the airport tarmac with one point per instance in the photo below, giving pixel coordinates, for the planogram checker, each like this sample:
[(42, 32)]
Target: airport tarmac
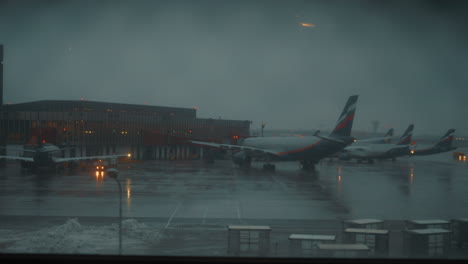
[(170, 199)]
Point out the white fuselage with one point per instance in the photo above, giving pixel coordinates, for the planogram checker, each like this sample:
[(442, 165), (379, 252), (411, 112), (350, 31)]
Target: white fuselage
[(281, 144), (295, 148), (376, 151)]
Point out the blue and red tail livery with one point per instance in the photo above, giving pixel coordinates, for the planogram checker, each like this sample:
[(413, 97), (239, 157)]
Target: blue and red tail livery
[(447, 139), (407, 136), (345, 122)]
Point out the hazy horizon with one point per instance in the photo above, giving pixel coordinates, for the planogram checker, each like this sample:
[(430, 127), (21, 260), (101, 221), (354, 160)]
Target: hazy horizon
[(247, 60)]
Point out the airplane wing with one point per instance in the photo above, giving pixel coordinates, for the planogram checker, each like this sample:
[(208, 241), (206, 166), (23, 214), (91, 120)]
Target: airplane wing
[(17, 158), (236, 147), (19, 149), (371, 140), (88, 158)]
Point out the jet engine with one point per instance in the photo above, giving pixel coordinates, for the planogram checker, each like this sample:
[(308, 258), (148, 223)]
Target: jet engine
[(344, 156), (242, 159)]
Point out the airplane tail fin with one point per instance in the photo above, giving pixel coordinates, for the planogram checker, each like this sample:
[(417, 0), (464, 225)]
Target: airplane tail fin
[(345, 122), (447, 139), (389, 133), (407, 136), (388, 136)]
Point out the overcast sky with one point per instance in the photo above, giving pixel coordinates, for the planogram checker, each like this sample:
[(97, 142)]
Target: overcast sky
[(248, 60)]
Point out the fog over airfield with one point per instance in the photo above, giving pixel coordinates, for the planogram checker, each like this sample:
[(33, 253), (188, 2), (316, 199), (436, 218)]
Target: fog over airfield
[(247, 60)]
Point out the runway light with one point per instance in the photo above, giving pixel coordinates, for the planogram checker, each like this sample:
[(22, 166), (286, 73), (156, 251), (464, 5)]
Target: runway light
[(129, 155), (412, 152)]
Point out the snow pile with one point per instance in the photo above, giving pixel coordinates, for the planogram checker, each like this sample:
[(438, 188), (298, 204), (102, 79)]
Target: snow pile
[(73, 238), (61, 239), (133, 229)]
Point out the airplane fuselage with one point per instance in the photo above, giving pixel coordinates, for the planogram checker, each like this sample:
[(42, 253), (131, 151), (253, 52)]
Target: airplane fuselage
[(297, 148), (432, 150), (377, 151)]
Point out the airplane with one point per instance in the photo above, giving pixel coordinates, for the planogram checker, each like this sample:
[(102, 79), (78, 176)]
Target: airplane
[(49, 156), (443, 145), (387, 138), (373, 151), (308, 150)]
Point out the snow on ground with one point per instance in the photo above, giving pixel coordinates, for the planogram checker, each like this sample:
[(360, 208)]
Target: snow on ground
[(74, 238)]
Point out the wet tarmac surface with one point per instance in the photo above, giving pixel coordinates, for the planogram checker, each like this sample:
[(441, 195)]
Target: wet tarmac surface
[(183, 195), (409, 188)]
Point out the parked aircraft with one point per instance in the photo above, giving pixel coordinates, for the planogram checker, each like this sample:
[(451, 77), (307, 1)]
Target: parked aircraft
[(373, 151), (443, 145), (308, 150), (49, 156), (387, 138)]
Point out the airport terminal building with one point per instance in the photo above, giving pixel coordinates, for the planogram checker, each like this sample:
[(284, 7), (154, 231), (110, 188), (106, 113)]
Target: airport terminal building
[(102, 128)]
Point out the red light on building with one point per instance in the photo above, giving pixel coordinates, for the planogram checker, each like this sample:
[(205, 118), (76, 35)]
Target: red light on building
[(82, 98), (235, 137), (43, 141)]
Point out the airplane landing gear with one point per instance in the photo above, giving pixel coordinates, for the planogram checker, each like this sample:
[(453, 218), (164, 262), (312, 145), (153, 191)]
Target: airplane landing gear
[(307, 165), (269, 167)]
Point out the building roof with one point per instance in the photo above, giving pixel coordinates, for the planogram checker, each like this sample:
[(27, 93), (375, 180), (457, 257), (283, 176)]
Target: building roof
[(248, 227), (82, 105), (343, 247), (312, 237), (365, 230), (428, 231), (364, 221), (429, 221)]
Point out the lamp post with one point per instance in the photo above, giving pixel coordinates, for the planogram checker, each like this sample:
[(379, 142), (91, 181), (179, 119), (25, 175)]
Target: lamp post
[(114, 173)]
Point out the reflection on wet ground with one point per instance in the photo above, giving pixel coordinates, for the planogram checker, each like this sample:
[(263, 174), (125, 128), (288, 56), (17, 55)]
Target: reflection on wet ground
[(406, 188)]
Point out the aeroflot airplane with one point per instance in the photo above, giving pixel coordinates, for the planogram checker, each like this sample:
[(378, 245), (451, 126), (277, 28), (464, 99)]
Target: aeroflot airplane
[(444, 145), (308, 150), (371, 152), (387, 138), (49, 156)]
